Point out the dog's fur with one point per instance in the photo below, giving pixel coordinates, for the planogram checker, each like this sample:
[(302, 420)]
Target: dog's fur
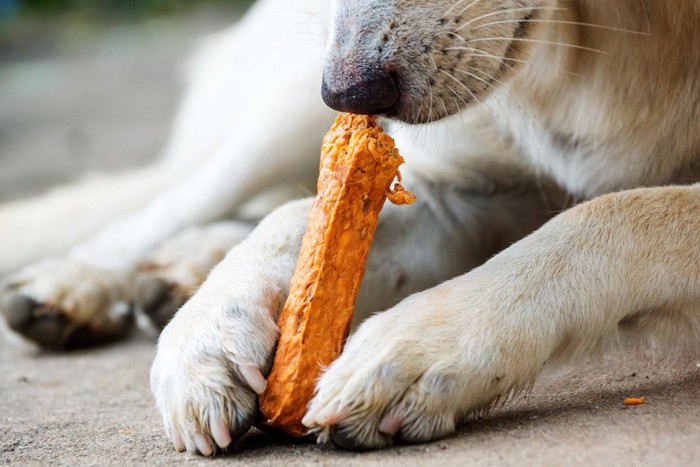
[(542, 104)]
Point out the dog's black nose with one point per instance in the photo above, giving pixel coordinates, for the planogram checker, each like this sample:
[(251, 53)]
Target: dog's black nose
[(373, 95)]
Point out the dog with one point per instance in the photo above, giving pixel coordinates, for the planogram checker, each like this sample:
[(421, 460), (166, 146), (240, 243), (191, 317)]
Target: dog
[(555, 152)]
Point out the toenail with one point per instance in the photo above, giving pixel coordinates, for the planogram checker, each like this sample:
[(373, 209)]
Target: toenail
[(330, 415), (254, 377), (177, 441), (18, 310), (219, 432), (203, 444), (47, 331), (390, 425), (152, 292)]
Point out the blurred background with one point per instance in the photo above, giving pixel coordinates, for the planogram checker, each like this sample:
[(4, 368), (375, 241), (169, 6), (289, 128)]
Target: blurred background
[(92, 85)]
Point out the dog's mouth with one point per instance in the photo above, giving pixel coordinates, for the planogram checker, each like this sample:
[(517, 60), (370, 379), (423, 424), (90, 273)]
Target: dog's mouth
[(413, 97), (379, 93)]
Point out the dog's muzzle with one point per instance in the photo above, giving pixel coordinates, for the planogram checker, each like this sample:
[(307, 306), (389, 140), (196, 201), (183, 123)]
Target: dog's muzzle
[(372, 94)]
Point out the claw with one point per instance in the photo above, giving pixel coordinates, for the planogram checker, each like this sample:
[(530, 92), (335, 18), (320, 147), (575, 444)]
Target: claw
[(254, 377), (177, 440), (390, 425), (18, 310), (219, 432), (203, 444), (330, 415), (309, 420)]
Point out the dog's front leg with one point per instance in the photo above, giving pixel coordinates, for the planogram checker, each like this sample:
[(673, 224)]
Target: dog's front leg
[(627, 262), (212, 356), (209, 358), (84, 297)]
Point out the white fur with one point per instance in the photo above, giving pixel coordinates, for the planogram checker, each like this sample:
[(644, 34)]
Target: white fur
[(566, 125), (218, 158)]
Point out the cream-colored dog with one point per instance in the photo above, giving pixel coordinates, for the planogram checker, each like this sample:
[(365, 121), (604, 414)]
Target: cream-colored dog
[(541, 104)]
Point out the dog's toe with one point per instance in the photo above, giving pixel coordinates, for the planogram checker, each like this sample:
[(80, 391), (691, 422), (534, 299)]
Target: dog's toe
[(151, 292), (120, 323), (168, 277), (394, 383), (18, 310), (159, 298), (51, 327), (60, 304), (342, 438), (47, 331), (35, 322)]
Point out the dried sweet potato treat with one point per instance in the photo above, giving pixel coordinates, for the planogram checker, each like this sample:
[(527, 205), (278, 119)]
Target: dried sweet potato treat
[(358, 164)]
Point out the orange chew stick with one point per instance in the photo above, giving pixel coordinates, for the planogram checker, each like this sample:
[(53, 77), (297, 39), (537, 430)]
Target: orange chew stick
[(358, 164)]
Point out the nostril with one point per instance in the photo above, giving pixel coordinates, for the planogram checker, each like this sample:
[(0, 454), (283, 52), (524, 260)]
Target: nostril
[(373, 94)]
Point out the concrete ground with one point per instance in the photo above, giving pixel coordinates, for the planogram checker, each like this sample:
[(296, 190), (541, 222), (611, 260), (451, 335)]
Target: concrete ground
[(106, 105)]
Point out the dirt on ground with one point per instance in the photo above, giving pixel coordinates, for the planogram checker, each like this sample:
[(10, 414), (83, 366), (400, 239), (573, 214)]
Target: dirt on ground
[(95, 408), (107, 106)]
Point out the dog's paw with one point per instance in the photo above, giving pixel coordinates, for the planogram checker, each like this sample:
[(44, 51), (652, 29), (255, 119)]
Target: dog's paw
[(62, 304), (209, 366), (167, 278), (411, 375)]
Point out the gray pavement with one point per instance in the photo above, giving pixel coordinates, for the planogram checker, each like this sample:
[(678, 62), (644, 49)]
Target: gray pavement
[(106, 106)]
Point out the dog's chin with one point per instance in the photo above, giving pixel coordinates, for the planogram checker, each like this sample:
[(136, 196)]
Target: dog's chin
[(405, 111), (407, 119), (413, 118)]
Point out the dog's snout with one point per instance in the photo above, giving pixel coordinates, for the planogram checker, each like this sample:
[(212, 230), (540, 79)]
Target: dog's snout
[(371, 95)]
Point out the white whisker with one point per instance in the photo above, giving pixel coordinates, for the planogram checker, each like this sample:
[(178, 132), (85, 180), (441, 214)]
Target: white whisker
[(481, 53), (502, 12), (471, 75), (457, 96), (430, 87), (493, 101), (459, 2), (466, 47), (537, 41), (554, 21), (487, 75), (468, 7), (444, 107), (452, 34), (463, 85)]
